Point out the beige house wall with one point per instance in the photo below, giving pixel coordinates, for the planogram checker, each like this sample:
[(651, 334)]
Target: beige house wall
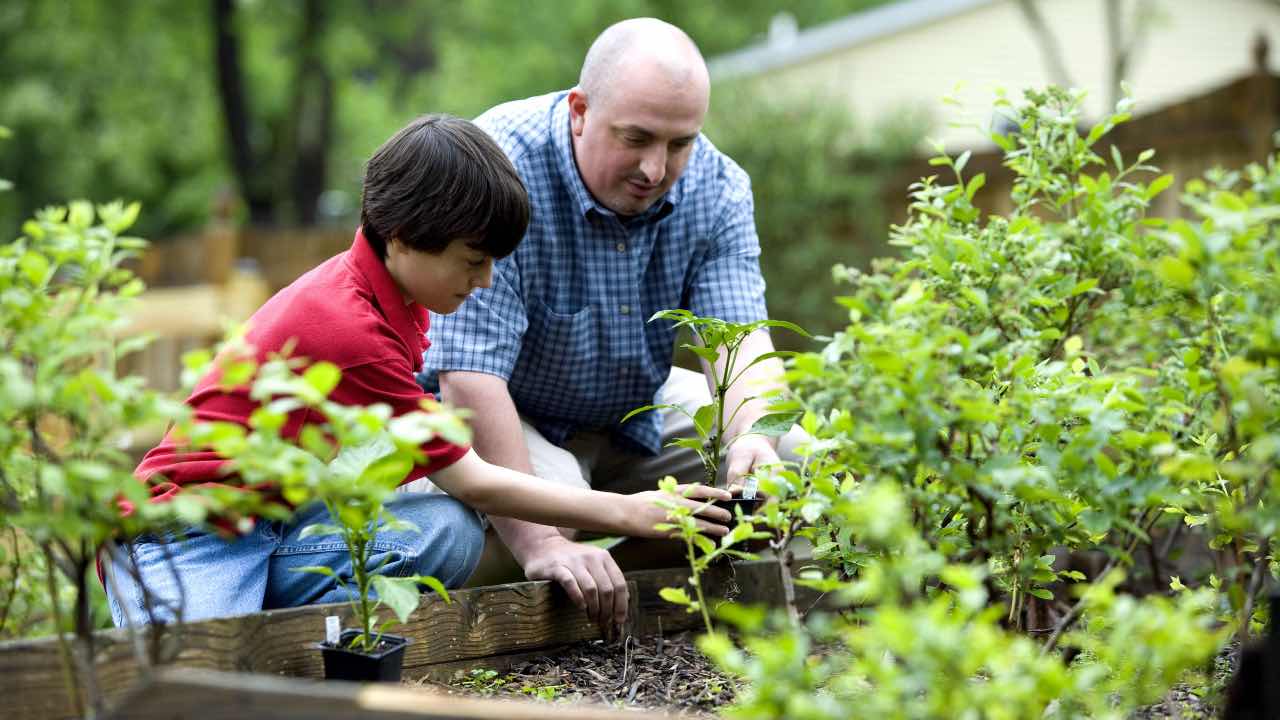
[(1192, 46)]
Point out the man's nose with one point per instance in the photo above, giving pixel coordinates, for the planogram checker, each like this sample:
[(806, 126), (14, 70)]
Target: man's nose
[(654, 164)]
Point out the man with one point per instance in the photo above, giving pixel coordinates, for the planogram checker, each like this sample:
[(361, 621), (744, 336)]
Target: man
[(633, 211)]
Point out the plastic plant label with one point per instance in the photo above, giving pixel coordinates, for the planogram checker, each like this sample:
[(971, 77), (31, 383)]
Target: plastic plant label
[(332, 629), (749, 490)]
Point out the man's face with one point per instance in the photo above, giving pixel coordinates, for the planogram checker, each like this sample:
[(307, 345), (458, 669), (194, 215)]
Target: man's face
[(632, 144), (439, 282)]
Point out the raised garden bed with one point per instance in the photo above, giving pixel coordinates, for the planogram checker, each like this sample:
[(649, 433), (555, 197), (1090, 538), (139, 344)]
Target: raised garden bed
[(491, 628)]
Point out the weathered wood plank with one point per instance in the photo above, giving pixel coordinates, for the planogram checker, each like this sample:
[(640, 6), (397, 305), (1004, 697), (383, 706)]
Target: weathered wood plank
[(480, 623), (182, 693)]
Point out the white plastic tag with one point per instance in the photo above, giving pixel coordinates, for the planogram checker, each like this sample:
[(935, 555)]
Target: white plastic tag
[(332, 629), (749, 490)]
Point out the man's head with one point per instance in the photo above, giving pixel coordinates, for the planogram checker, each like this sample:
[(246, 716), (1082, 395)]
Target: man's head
[(637, 111), (440, 202)]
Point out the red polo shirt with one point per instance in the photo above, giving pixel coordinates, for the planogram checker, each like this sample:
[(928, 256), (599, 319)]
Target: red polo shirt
[(347, 311)]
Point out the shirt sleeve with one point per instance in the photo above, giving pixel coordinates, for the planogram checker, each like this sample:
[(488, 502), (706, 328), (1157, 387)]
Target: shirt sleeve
[(391, 382), (485, 334), (727, 283)]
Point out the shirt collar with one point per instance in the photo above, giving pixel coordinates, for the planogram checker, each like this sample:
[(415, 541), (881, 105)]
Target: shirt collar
[(408, 320), (583, 202)]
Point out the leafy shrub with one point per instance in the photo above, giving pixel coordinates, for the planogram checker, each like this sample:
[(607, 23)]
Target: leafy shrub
[(1071, 377)]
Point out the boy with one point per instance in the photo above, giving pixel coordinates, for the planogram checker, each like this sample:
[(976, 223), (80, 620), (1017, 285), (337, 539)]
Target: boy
[(440, 203)]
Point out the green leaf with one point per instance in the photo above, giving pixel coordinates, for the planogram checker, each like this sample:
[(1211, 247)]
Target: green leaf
[(318, 570), (319, 530), (1083, 286), (1158, 186), (776, 424), (975, 185), (704, 352), (1041, 593), (644, 409), (35, 266), (323, 377), (1176, 272), (675, 595), (704, 419), (435, 585), (398, 593)]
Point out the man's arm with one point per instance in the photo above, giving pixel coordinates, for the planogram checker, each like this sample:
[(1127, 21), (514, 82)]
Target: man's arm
[(588, 574)]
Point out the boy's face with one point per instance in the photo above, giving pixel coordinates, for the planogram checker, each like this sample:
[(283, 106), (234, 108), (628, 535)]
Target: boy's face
[(439, 282)]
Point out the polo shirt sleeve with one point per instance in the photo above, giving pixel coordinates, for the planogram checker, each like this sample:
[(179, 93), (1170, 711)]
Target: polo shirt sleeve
[(485, 333), (391, 382), (727, 283)]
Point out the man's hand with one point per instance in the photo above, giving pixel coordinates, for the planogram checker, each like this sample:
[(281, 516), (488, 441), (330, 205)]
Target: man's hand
[(748, 453), (589, 575)]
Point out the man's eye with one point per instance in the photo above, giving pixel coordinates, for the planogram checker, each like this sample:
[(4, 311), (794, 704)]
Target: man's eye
[(633, 140), (476, 263)]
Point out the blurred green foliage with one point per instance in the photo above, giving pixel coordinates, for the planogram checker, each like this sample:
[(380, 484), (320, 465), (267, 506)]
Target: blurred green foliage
[(108, 100)]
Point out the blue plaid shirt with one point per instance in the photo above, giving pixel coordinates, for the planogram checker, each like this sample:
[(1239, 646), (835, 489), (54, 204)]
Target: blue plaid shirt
[(565, 320)]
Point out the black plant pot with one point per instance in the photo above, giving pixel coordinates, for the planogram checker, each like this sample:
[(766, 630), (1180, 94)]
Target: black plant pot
[(382, 665), (748, 506)]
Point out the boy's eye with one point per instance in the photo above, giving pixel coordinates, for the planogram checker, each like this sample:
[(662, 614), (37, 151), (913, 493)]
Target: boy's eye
[(476, 263)]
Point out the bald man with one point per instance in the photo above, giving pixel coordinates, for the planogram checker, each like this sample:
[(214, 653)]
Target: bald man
[(633, 211)]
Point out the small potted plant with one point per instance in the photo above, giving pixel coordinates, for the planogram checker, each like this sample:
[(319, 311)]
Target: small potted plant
[(351, 461)]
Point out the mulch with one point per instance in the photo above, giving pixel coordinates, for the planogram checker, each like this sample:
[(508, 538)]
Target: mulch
[(671, 675), (667, 674)]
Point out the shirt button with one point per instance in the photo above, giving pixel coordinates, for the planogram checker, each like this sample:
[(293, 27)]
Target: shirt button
[(622, 247), (624, 309)]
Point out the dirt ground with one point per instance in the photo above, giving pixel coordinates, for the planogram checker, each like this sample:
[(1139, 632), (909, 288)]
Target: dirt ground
[(666, 674), (671, 675)]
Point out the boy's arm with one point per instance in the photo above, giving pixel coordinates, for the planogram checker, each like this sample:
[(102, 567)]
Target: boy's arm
[(589, 575)]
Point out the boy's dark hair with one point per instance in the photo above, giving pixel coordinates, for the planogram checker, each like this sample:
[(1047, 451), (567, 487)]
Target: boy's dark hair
[(441, 178)]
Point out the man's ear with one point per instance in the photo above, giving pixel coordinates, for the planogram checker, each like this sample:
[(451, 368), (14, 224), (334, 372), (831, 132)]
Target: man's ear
[(577, 110)]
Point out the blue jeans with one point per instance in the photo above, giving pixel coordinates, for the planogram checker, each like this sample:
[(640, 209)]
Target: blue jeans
[(211, 577)]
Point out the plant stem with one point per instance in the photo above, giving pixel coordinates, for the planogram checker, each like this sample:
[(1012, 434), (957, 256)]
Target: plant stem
[(64, 652)]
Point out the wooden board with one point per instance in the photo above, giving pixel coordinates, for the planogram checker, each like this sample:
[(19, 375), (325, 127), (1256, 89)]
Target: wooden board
[(179, 693), (482, 622)]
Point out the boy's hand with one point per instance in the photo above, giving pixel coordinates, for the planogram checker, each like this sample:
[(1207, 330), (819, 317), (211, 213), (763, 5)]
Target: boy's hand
[(711, 519), (589, 575)]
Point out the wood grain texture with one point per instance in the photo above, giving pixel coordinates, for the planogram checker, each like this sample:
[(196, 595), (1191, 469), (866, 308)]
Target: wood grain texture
[(180, 693)]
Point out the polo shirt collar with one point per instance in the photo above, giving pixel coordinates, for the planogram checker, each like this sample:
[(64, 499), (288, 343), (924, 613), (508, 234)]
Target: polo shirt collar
[(583, 202), (408, 320)]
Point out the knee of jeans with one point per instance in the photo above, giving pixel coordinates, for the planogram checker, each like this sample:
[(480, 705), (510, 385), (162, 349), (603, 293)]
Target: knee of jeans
[(461, 542)]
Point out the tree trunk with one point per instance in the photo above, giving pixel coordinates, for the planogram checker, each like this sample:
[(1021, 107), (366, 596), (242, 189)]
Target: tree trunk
[(235, 112), (312, 119)]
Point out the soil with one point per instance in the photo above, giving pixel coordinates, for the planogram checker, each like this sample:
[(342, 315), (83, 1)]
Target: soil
[(667, 674), (671, 675)]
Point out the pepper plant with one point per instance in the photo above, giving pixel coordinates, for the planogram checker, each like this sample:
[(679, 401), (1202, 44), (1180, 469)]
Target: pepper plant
[(349, 458), (715, 339)]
